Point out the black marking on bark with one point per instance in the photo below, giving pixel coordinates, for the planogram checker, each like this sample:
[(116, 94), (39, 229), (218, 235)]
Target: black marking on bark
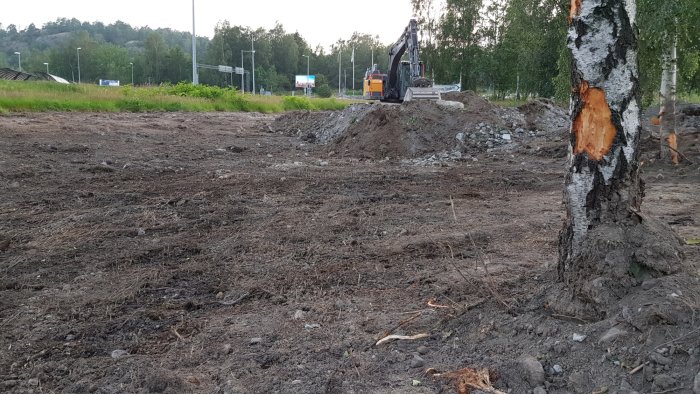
[(581, 30)]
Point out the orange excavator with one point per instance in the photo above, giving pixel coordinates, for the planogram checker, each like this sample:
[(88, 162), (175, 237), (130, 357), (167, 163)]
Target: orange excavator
[(404, 80), (373, 84)]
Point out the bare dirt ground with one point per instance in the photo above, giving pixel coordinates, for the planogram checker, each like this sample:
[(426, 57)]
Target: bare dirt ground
[(234, 253)]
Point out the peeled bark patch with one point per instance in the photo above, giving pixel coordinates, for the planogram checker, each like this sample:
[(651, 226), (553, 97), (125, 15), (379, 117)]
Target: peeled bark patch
[(593, 127), (575, 9), (673, 144)]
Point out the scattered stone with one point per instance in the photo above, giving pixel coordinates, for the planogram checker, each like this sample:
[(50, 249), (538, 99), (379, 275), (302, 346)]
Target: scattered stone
[(416, 382), (220, 295), (612, 334), (696, 384), (33, 382), (119, 353), (557, 369), (532, 370), (579, 337), (312, 326), (417, 362), (577, 382), (422, 350), (659, 359), (227, 349), (295, 382), (298, 315), (70, 337), (506, 137), (664, 382), (141, 232), (9, 383), (539, 390), (255, 341), (323, 163), (460, 137)]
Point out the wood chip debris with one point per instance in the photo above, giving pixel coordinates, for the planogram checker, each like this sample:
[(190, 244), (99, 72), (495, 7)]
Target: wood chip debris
[(468, 379)]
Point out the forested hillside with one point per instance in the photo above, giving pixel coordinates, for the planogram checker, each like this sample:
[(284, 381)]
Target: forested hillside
[(503, 47)]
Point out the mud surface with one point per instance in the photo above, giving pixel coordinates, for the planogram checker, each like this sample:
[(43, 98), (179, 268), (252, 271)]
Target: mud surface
[(235, 253)]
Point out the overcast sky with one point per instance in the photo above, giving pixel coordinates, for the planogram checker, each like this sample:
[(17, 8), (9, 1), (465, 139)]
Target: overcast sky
[(318, 21)]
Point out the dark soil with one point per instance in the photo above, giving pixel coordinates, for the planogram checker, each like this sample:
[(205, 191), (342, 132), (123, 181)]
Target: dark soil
[(226, 253)]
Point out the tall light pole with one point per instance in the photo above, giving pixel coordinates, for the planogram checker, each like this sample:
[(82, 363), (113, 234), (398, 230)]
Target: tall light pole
[(78, 50), (47, 67), (252, 50), (242, 75), (195, 75), (307, 74), (19, 60), (132, 73)]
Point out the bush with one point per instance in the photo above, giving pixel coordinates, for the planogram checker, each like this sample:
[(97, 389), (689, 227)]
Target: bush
[(295, 102), (324, 91), (185, 89)]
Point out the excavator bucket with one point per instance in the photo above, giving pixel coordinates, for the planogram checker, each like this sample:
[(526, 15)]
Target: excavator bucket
[(415, 93)]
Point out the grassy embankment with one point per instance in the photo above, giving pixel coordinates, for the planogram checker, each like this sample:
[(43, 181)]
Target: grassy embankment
[(47, 96)]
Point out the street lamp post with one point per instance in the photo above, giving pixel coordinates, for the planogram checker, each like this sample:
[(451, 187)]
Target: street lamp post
[(19, 60), (242, 74), (47, 67), (78, 50), (252, 50), (132, 73), (307, 74), (195, 75)]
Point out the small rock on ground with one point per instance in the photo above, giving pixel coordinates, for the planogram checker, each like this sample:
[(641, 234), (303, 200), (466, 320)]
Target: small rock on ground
[(612, 334), (532, 370), (696, 384), (119, 353), (539, 390), (417, 362)]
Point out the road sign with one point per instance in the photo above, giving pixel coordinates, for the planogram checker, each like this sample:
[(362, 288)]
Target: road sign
[(225, 69), (239, 70)]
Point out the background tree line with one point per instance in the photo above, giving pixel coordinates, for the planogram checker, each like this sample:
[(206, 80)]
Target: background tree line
[(503, 47), (519, 46)]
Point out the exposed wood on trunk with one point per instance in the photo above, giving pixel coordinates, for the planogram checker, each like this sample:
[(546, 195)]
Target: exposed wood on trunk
[(593, 127), (574, 10)]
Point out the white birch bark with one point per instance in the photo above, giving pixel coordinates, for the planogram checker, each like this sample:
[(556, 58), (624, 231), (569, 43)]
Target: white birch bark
[(667, 97), (602, 183)]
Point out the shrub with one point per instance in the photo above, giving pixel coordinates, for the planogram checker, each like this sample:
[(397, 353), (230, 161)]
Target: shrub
[(324, 91), (296, 102)]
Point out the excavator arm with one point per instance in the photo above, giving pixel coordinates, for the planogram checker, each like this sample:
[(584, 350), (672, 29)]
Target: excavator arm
[(413, 85)]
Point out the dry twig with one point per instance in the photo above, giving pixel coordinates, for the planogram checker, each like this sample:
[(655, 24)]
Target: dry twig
[(401, 337)]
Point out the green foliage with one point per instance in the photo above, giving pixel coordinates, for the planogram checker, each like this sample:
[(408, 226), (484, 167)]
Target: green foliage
[(48, 96), (324, 91), (185, 89), (296, 102)]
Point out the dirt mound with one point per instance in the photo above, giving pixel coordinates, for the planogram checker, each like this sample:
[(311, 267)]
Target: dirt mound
[(414, 129), (544, 115), (320, 127), (472, 101)]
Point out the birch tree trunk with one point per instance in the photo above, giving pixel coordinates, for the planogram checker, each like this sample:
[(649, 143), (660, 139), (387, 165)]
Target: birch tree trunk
[(667, 111), (605, 235)]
